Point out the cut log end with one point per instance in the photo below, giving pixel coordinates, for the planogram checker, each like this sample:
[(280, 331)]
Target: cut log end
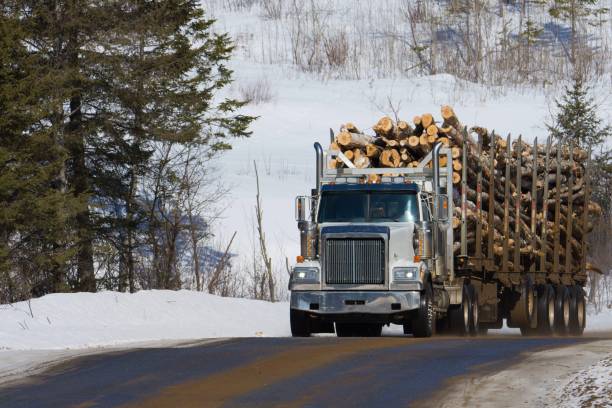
[(432, 130), (390, 158), (384, 126), (447, 112), (456, 178), (344, 138), (427, 120)]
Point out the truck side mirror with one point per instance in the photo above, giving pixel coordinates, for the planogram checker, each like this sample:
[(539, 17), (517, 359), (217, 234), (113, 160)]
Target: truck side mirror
[(442, 201)]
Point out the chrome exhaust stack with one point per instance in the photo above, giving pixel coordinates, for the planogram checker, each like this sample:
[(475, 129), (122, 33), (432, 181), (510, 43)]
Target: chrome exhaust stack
[(319, 152)]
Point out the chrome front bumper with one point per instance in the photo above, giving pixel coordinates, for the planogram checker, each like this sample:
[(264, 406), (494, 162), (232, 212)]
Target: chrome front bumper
[(341, 302)]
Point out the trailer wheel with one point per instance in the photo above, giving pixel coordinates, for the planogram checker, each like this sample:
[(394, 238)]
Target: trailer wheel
[(474, 312), (459, 316), (562, 311), (300, 323), (577, 311), (524, 313), (425, 322), (546, 309)]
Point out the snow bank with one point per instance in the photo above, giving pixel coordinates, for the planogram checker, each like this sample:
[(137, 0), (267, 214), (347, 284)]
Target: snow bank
[(591, 387), (84, 320), (87, 320), (598, 322)]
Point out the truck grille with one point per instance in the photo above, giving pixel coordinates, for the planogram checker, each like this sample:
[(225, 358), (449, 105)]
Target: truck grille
[(354, 261)]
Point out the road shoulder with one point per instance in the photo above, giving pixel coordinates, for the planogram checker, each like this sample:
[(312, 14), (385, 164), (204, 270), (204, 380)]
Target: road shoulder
[(542, 378)]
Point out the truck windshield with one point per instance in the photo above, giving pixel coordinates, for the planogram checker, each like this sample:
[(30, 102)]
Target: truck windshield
[(365, 206)]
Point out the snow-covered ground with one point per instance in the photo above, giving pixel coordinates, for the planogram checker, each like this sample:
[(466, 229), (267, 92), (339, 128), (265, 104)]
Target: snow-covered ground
[(86, 320), (590, 387)]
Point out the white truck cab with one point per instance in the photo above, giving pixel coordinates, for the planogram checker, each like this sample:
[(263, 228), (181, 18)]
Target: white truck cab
[(366, 253)]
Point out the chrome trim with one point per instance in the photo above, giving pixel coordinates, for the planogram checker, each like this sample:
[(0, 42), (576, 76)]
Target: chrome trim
[(384, 285), (373, 302), (412, 285), (319, 151)]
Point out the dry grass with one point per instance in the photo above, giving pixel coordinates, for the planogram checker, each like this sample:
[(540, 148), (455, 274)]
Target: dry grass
[(257, 92)]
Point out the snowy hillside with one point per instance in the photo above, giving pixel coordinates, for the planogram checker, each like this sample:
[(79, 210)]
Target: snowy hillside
[(297, 108)]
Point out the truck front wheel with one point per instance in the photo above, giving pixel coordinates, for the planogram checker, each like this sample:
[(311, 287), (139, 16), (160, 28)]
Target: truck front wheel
[(423, 325), (300, 323)]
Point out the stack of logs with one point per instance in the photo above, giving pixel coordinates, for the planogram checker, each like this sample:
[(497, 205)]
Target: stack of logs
[(554, 215)]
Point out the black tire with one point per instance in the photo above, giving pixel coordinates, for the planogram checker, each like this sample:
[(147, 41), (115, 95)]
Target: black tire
[(358, 330), (407, 327), (474, 311), (300, 323), (425, 323), (562, 310), (546, 310), (459, 316), (577, 311), (442, 325), (524, 314), (483, 331)]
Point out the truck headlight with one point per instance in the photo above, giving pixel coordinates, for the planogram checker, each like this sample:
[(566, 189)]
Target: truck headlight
[(305, 275), (406, 274)]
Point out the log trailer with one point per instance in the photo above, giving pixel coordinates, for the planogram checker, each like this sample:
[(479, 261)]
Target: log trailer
[(390, 252)]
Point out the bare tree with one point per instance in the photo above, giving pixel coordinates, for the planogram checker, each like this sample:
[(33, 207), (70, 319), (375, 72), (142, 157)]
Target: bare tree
[(262, 239), (216, 277)]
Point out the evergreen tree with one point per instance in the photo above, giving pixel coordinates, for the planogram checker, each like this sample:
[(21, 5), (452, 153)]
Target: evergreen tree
[(35, 212), (108, 82), (577, 120), (161, 69)]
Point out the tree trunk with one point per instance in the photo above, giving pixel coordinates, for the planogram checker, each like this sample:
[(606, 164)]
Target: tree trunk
[(80, 186)]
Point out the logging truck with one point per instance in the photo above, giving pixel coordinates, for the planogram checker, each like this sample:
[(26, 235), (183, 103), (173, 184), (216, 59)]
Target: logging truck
[(471, 233)]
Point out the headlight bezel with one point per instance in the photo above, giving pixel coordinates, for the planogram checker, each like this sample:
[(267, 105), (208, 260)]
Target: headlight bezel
[(405, 274), (306, 275)]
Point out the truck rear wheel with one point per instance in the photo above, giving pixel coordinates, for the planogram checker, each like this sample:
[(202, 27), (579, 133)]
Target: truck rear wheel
[(425, 322), (460, 316), (524, 314), (562, 311), (577, 311), (300, 323), (546, 310), (474, 312)]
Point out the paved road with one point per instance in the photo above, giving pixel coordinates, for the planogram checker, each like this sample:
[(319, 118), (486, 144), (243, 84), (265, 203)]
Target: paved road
[(267, 372)]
